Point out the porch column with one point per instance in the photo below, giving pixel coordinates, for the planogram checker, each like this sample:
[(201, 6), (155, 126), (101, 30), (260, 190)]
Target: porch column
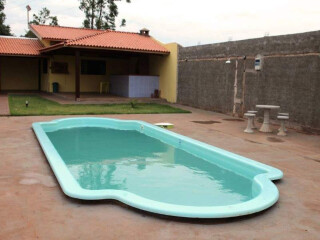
[(77, 80), (39, 74)]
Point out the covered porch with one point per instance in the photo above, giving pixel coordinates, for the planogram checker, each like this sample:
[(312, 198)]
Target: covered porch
[(81, 71), (132, 65)]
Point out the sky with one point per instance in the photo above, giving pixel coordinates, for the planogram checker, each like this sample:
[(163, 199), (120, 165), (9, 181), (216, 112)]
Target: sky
[(187, 22)]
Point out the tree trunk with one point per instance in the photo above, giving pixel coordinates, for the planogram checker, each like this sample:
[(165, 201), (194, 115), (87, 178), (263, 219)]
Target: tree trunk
[(92, 13), (100, 16)]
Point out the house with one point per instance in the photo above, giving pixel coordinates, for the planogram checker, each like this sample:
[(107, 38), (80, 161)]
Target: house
[(79, 60)]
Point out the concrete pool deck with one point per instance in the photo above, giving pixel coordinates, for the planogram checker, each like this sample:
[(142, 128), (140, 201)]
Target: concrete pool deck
[(34, 207)]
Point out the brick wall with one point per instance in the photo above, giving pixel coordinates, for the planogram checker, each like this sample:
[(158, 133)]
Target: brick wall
[(290, 76)]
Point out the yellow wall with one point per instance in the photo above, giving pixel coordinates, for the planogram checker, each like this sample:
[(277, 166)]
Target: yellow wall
[(19, 73), (88, 83), (46, 43), (66, 81), (167, 68)]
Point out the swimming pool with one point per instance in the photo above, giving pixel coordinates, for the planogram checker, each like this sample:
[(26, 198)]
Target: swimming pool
[(153, 169)]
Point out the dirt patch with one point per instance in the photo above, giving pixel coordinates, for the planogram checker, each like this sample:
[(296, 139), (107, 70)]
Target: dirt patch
[(233, 119), (274, 139), (206, 122)]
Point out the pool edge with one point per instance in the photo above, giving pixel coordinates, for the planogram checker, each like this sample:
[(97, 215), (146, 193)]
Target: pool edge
[(268, 196)]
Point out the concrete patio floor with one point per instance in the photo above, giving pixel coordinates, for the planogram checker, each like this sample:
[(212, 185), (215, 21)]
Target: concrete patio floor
[(4, 105), (34, 207)]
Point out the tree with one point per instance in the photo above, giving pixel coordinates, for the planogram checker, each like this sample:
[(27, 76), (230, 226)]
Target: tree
[(100, 14), (4, 29), (42, 18)]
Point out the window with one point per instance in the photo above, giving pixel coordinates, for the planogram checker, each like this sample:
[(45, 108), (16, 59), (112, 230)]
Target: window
[(93, 67), (59, 67), (45, 66)]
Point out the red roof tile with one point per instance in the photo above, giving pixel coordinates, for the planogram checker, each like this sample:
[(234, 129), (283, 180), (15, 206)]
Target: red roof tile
[(119, 40), (61, 33), (20, 46), (98, 38)]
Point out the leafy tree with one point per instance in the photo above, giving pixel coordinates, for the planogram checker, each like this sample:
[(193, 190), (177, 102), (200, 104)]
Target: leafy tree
[(42, 18), (4, 29), (29, 34), (100, 14)]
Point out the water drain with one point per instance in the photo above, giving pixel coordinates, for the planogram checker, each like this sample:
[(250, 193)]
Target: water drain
[(206, 122)]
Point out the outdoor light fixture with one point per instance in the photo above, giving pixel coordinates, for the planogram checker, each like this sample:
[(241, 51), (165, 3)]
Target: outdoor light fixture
[(27, 103), (228, 61)]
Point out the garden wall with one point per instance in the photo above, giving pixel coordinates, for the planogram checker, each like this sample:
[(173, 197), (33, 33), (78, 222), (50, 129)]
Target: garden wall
[(290, 76)]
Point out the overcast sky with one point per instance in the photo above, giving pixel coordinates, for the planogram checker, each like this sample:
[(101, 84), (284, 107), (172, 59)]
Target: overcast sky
[(188, 22)]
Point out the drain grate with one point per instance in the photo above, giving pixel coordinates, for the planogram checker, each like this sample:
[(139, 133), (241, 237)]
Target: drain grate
[(206, 122)]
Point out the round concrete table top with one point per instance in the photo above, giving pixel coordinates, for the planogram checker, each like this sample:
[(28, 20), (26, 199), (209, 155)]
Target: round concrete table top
[(268, 106)]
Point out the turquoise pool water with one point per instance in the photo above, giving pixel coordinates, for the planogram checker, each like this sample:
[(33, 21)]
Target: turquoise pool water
[(153, 169), (101, 158)]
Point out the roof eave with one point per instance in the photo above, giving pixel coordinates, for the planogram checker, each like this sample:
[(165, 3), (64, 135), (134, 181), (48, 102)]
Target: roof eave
[(34, 31), (55, 39), (59, 46), (121, 49), (53, 47), (19, 55)]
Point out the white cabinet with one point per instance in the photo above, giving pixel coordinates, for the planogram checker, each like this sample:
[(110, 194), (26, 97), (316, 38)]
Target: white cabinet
[(133, 86)]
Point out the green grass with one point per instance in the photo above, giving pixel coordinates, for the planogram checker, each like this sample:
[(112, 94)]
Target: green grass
[(41, 106)]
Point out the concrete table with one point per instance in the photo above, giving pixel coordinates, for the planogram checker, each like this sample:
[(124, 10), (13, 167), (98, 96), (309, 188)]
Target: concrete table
[(266, 118)]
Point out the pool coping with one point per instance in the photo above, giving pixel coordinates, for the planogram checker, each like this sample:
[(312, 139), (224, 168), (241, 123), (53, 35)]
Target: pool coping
[(269, 193)]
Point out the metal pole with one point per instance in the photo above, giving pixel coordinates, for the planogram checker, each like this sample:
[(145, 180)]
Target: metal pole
[(235, 87), (243, 85)]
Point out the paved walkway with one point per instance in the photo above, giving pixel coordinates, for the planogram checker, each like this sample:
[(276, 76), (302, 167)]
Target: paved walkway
[(4, 105), (32, 205)]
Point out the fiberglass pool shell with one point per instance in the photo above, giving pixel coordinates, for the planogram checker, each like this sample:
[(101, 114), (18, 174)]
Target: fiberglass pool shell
[(264, 192)]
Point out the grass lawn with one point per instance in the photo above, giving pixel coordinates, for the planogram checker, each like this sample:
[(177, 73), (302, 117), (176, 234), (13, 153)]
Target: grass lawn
[(41, 106)]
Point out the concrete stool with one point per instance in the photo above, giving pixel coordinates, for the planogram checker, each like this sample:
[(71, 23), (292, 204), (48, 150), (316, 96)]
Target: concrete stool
[(250, 117), (253, 124), (281, 130), (283, 114)]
